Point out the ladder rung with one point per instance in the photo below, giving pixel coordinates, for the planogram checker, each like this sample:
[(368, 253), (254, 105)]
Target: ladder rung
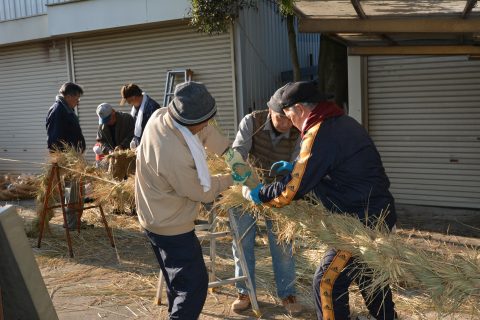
[(213, 235), (219, 283), (201, 227)]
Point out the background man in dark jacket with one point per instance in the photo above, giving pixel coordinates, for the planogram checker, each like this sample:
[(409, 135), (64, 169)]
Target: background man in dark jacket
[(63, 129), (115, 128), (142, 108)]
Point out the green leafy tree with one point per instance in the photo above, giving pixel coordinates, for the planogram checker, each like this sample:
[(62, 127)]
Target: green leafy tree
[(216, 17)]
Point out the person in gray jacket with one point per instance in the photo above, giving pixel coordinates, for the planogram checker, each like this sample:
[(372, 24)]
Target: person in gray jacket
[(115, 129)]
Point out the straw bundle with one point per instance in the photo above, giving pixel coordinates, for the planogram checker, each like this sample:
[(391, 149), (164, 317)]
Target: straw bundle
[(121, 163), (17, 188), (105, 189), (448, 278)]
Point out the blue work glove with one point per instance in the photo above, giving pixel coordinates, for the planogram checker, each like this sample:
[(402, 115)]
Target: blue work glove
[(281, 167), (252, 194)]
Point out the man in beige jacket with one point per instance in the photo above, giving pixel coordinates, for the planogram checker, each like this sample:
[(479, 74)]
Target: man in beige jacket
[(171, 181)]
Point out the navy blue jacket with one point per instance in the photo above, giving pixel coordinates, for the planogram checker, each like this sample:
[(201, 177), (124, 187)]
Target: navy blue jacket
[(339, 162), (63, 127), (150, 107)]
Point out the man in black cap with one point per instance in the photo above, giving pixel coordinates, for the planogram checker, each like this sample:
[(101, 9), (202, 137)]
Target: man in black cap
[(340, 164), (171, 181)]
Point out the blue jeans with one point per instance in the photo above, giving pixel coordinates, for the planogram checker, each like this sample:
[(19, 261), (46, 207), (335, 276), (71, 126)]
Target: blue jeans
[(282, 256)]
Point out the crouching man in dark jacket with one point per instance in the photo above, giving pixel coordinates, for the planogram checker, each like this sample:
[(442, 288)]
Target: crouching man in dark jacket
[(340, 164)]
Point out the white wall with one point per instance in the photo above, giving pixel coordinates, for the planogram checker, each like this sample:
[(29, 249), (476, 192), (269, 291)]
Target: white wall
[(24, 29), (105, 14), (64, 18)]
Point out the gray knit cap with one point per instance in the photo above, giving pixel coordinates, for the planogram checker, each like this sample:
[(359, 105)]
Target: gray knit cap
[(192, 104)]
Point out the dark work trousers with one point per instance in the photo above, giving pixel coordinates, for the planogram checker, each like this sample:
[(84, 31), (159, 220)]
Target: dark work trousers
[(336, 272), (181, 261)]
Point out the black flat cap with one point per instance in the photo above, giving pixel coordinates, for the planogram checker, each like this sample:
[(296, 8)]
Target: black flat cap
[(302, 91), (275, 102)]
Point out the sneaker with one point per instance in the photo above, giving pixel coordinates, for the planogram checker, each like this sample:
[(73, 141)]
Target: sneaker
[(88, 200), (291, 305), (242, 303)]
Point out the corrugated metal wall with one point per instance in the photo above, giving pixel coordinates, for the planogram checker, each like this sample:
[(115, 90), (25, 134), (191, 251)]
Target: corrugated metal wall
[(424, 116), (30, 78), (105, 62), (264, 52), (17, 9)]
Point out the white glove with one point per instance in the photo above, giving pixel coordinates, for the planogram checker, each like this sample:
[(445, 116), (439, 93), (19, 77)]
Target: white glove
[(133, 144), (252, 194), (246, 193), (97, 149)]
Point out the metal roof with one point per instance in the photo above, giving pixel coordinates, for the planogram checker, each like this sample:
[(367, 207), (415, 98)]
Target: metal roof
[(372, 27)]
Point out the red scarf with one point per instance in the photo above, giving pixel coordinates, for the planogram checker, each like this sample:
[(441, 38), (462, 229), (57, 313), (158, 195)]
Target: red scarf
[(321, 112)]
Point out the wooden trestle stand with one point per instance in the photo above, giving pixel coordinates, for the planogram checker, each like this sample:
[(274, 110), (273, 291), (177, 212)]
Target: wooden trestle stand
[(78, 206)]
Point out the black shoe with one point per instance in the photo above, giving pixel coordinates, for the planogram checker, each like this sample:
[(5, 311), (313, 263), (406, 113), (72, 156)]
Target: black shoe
[(88, 200)]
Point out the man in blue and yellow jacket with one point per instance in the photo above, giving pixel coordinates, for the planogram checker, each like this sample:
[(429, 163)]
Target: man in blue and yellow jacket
[(340, 164)]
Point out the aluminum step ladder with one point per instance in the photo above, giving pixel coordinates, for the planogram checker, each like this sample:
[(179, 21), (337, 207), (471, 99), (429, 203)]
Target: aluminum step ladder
[(170, 82), (205, 232)]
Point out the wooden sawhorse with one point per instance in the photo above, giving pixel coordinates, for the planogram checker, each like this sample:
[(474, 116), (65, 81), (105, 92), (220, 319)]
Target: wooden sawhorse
[(54, 174)]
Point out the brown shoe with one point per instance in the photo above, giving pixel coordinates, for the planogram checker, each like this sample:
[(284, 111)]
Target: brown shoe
[(291, 305), (242, 303)]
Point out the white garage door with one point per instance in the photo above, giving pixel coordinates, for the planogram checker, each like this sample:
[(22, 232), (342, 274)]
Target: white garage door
[(424, 116), (105, 62), (30, 76)]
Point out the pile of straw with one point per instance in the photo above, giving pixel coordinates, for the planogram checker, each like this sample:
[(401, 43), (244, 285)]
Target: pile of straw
[(18, 188)]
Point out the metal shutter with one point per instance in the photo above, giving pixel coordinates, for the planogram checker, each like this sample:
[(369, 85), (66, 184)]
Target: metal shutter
[(424, 116), (30, 78), (105, 62)]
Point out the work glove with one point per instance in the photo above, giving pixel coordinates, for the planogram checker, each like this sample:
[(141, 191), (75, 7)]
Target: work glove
[(252, 194), (133, 144), (97, 149), (241, 171), (281, 167)]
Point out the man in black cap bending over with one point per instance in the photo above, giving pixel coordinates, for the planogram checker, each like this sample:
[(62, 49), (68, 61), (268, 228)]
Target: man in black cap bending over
[(340, 164), (171, 181)]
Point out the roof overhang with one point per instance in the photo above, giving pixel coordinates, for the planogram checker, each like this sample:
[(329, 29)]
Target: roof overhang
[(396, 27)]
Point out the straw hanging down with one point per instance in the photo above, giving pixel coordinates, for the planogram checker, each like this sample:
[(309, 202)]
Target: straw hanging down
[(448, 279)]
